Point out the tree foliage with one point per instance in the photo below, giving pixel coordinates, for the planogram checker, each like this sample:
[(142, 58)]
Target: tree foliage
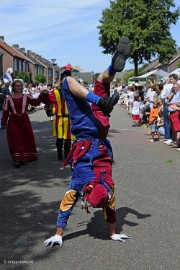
[(146, 23), (40, 78), (25, 76), (130, 73)]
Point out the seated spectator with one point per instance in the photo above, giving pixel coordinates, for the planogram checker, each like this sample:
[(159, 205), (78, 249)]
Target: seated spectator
[(160, 124)]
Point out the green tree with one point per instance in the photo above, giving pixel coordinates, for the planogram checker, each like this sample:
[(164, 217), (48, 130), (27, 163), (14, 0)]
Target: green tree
[(118, 80), (40, 78), (25, 76), (146, 23), (130, 73)]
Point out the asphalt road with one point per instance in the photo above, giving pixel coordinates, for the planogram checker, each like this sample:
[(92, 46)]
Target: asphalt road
[(147, 177)]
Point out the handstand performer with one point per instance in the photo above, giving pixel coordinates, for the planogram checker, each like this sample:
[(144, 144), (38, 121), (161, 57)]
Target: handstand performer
[(91, 154)]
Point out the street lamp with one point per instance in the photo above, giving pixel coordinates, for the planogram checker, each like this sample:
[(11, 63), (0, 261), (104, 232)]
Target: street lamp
[(53, 60)]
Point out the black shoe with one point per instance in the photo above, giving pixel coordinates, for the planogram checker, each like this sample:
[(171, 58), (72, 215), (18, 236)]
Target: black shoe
[(21, 162), (60, 156), (121, 54), (16, 163), (106, 104)]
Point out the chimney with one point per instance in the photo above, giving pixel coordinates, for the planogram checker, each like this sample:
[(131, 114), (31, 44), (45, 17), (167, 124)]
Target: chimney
[(16, 46), (22, 50), (2, 38), (28, 52)]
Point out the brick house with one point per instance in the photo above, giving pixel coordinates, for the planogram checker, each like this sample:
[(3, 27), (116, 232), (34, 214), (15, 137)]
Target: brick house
[(10, 57), (52, 70), (167, 67), (27, 61), (36, 66)]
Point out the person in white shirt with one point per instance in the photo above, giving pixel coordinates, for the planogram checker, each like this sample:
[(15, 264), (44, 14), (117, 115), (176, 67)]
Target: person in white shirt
[(130, 98), (165, 92), (174, 99), (136, 112), (151, 95)]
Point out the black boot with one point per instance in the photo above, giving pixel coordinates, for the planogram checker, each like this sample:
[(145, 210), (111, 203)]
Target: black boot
[(16, 163), (121, 54), (59, 145), (67, 147), (60, 155), (106, 104)]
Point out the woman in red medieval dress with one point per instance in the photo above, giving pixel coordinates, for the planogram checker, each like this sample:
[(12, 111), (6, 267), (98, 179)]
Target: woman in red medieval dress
[(20, 135)]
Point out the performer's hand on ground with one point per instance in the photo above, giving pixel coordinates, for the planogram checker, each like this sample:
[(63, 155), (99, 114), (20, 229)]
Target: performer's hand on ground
[(119, 237), (54, 240)]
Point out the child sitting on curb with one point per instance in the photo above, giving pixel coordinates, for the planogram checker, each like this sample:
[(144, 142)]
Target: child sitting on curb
[(160, 123)]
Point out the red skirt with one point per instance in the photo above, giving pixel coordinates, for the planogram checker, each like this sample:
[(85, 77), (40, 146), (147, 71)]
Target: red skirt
[(135, 117), (20, 138), (175, 121)]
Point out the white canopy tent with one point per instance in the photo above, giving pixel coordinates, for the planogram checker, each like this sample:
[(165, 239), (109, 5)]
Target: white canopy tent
[(156, 75), (176, 71)]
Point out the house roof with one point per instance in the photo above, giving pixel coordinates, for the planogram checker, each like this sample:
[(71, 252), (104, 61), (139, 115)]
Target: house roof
[(34, 59), (152, 65), (155, 64), (176, 71), (47, 63), (12, 50), (175, 57)]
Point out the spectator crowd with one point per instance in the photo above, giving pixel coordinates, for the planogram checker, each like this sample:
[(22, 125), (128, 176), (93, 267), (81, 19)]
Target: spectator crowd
[(156, 106)]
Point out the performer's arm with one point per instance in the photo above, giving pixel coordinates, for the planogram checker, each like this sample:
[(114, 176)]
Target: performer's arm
[(76, 88)]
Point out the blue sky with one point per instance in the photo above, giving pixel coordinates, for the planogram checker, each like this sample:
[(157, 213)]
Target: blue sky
[(64, 30)]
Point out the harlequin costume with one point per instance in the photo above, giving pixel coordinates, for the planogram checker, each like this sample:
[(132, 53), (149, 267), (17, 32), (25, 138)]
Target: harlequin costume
[(91, 154), (61, 123)]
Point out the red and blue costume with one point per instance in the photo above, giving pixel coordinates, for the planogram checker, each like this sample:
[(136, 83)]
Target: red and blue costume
[(91, 153)]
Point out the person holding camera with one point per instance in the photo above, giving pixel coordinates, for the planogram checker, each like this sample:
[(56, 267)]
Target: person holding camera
[(173, 100), (164, 94)]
